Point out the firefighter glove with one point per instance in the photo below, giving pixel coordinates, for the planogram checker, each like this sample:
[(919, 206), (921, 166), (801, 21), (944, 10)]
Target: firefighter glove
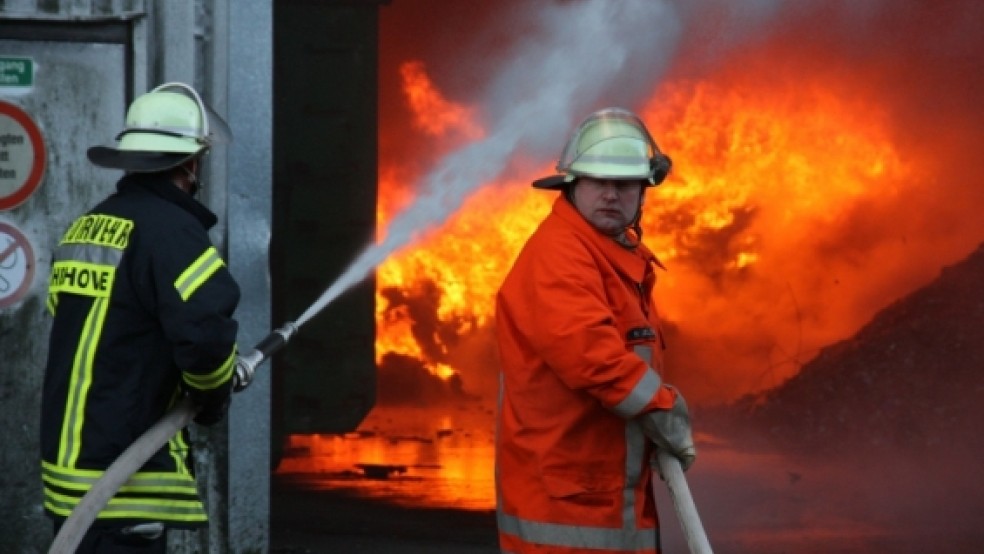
[(670, 431), (212, 411)]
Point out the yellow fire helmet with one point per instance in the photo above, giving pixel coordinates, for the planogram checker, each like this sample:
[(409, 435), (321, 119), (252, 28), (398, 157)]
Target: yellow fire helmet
[(164, 128), (612, 143)]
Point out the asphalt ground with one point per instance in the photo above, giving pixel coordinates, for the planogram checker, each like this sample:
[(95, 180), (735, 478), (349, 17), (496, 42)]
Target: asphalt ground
[(310, 521), (749, 502)]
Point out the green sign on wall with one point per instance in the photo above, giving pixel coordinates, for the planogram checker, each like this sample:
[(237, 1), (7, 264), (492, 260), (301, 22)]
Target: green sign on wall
[(16, 72)]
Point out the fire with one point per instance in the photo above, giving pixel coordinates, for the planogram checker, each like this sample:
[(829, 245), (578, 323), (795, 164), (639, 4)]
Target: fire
[(434, 114), (763, 175), (818, 176), (462, 264), (761, 206), (458, 265)]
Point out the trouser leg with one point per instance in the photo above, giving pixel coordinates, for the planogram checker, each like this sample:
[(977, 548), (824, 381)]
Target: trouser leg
[(122, 539)]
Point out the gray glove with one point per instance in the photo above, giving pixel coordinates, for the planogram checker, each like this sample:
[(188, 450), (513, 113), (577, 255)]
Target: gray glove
[(670, 431)]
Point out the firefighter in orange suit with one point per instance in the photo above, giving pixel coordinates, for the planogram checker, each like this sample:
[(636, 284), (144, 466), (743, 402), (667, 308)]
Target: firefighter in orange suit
[(582, 400)]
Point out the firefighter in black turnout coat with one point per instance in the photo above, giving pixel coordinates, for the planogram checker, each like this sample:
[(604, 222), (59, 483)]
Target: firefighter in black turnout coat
[(143, 314)]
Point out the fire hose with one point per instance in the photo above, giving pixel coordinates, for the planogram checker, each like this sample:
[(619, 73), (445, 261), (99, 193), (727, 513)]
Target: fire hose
[(136, 455), (180, 415), (683, 502)]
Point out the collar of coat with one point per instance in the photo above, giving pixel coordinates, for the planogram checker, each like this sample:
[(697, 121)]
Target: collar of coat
[(161, 185), (628, 257)]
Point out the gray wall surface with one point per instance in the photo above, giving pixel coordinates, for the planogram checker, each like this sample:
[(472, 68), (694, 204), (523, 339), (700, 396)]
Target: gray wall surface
[(91, 59), (78, 96), (250, 60), (296, 186)]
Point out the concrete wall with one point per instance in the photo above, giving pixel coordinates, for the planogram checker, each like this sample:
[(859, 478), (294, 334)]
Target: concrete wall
[(307, 197), (93, 57), (78, 94)]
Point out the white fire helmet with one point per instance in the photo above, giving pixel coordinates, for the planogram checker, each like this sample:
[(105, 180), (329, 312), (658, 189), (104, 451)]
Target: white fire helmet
[(164, 128), (612, 143)]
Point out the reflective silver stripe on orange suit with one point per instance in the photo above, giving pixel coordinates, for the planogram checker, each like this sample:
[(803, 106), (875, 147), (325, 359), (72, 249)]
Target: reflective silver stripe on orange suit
[(635, 449), (630, 537), (576, 536), (640, 396)]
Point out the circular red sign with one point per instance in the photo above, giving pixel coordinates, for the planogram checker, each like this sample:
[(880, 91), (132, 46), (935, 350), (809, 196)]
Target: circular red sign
[(23, 190)]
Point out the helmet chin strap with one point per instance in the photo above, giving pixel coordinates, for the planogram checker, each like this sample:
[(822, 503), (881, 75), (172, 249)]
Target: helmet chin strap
[(194, 183), (631, 236)]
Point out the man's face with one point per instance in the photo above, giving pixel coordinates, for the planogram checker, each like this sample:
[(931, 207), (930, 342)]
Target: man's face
[(608, 204)]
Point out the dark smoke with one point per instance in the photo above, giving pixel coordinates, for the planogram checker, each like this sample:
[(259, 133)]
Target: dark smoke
[(405, 379), (419, 305), (875, 445), (909, 381)]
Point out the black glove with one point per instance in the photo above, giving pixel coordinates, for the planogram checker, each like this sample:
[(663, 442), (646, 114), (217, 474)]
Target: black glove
[(213, 410)]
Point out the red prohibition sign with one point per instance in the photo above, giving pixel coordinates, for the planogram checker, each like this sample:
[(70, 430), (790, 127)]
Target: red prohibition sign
[(30, 184), (16, 265)]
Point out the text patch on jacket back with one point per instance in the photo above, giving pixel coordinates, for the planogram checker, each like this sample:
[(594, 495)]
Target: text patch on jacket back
[(88, 255)]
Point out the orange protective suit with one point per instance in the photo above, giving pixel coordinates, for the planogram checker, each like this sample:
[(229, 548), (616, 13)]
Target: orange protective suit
[(581, 351)]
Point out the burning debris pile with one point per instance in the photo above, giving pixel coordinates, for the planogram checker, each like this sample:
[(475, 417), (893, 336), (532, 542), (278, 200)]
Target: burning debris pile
[(909, 381)]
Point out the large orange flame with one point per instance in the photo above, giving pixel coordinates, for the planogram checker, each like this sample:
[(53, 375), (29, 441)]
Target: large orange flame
[(763, 176), (820, 173), (432, 113)]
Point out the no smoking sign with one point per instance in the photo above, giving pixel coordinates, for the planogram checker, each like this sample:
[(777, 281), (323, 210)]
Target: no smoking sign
[(16, 265), (22, 156)]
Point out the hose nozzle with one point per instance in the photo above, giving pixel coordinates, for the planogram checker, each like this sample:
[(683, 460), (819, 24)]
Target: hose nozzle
[(247, 363)]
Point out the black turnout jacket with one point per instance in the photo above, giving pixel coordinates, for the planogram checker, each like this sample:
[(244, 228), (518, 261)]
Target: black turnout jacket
[(142, 305)]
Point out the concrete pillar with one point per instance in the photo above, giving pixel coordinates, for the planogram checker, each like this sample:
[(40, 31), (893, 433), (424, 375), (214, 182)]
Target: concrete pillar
[(250, 62)]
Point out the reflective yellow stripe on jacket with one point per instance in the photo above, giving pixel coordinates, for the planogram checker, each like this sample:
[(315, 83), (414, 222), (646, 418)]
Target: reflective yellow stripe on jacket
[(190, 280), (80, 382), (87, 270), (198, 272), (214, 379), (86, 262), (163, 496)]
